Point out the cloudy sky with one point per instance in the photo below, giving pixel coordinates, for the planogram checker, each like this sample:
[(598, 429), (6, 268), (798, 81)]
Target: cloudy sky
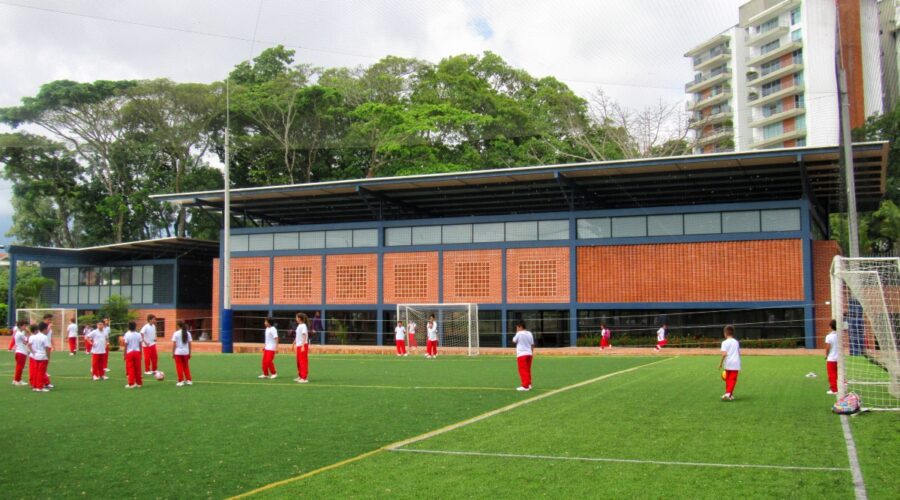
[(631, 49)]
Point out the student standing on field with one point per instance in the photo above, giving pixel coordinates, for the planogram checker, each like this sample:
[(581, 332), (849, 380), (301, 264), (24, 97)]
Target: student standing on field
[(85, 333), (605, 335), (181, 352), (831, 358), (133, 341), (731, 361), (148, 340), (661, 336), (524, 341), (98, 341), (20, 343), (400, 339), (39, 347), (301, 344), (72, 334), (269, 349), (411, 336), (106, 331), (431, 343)]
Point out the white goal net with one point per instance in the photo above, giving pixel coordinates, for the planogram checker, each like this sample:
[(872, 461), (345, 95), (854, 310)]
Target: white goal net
[(61, 320), (457, 323), (866, 306)]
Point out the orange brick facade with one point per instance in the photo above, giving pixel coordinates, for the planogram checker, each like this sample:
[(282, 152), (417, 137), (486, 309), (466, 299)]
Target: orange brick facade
[(692, 272), (473, 276), (823, 253), (537, 275), (297, 280), (250, 280), (351, 279), (411, 277)]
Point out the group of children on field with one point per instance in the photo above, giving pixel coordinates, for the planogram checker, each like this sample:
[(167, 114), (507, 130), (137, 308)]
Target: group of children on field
[(300, 346), (404, 334)]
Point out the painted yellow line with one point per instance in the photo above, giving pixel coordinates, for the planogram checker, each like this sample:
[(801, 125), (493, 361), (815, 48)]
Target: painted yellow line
[(442, 430)]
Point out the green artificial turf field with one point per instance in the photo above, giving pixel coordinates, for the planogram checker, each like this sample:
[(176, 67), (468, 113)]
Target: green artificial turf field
[(231, 433)]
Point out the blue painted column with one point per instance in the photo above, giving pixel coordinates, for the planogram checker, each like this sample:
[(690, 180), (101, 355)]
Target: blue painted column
[(809, 309), (503, 325), (379, 320), (573, 282), (11, 294), (323, 302)]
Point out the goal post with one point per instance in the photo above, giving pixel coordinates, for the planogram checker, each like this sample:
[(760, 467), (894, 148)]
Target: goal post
[(457, 323), (865, 302), (61, 320)]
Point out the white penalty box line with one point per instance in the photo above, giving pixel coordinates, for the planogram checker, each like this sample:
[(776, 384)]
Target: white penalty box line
[(619, 460)]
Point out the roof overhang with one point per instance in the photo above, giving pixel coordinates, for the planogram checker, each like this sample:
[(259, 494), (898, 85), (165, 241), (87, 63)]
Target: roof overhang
[(163, 248)]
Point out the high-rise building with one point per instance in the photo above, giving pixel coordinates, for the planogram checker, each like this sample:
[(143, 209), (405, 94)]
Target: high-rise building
[(781, 86), (889, 30)]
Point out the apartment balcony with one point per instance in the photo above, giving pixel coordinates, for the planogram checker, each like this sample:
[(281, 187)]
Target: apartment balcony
[(715, 136), (774, 10), (790, 69), (775, 96), (708, 44), (774, 54), (767, 36), (777, 117), (711, 119), (709, 101), (778, 140), (706, 81), (717, 57)]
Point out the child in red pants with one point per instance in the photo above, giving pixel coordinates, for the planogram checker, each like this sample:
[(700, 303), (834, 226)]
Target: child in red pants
[(831, 358), (133, 340), (269, 350), (400, 339), (39, 347), (731, 361), (301, 344), (181, 352), (20, 343), (98, 340), (524, 341)]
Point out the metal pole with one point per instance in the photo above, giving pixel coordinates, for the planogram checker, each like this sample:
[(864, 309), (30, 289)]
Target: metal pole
[(227, 317), (850, 180)]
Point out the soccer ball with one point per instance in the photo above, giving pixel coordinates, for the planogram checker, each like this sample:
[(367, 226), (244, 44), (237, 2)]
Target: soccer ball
[(160, 376), (723, 374)]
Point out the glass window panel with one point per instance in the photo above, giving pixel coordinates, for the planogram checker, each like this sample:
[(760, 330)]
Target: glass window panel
[(312, 240), (104, 294), (116, 290), (148, 275), (73, 295), (94, 297), (136, 294), (260, 242), (125, 275), (594, 228), (706, 223), (665, 225), (624, 227), (426, 235), (286, 241), (137, 275), (63, 294), (339, 239), (484, 233), (521, 231), (553, 230), (64, 277), (147, 293), (240, 243), (740, 222), (365, 238), (397, 236), (125, 292), (781, 220), (457, 233), (83, 295)]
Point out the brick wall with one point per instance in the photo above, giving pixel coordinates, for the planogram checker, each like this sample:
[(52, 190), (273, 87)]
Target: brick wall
[(250, 280), (351, 279), (537, 275), (297, 280), (823, 253), (411, 277), (692, 272), (473, 276)]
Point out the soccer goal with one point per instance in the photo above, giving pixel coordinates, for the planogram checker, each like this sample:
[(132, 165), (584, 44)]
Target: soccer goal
[(865, 301), (457, 323), (61, 320)]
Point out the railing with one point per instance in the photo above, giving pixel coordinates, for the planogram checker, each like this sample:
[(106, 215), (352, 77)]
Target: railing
[(714, 52)]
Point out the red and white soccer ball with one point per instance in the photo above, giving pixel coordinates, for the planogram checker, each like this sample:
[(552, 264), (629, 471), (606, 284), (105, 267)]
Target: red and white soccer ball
[(160, 376)]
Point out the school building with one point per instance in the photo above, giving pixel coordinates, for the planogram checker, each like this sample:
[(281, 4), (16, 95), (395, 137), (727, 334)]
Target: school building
[(696, 241)]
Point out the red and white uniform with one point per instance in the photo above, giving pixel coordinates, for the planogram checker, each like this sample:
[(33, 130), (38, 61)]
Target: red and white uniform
[(87, 343), (400, 340), (831, 360), (133, 357), (20, 344), (271, 346), (605, 335), (431, 343), (661, 338), (411, 333), (151, 357), (301, 343), (182, 355), (732, 349), (40, 347), (98, 341), (106, 332), (524, 341)]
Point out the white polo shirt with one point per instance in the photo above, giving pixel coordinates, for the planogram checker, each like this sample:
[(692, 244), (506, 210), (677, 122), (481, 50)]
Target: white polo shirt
[(39, 344), (271, 339), (412, 328), (399, 333), (72, 330), (524, 341), (660, 334), (98, 341), (21, 342), (148, 333), (302, 337), (181, 348), (432, 331), (831, 339), (732, 349), (132, 341)]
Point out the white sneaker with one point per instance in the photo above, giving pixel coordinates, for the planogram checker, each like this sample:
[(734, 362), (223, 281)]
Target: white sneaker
[(148, 373), (297, 379), (406, 354), (830, 392), (179, 384), (303, 381), (105, 377), (50, 386), (15, 383), (95, 377), (71, 354), (522, 389), (106, 369), (189, 382), (262, 376), (274, 375), (138, 386), (129, 387), (45, 390)]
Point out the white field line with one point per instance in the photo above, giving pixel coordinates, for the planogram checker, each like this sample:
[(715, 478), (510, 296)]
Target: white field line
[(622, 460), (859, 486)]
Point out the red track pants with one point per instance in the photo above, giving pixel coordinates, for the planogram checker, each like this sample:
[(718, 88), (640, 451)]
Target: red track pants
[(268, 363), (151, 359), (730, 381), (303, 362), (73, 344), (661, 343), (832, 375), (524, 363), (431, 347), (20, 366), (182, 366), (401, 347), (133, 368), (97, 365), (38, 373), (412, 341)]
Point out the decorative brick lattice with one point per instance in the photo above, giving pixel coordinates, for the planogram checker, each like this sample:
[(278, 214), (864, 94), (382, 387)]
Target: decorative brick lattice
[(245, 283), (298, 284), (350, 281), (537, 278), (410, 280), (472, 279)]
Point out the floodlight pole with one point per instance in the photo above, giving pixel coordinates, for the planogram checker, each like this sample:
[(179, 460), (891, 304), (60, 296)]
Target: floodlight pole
[(849, 178), (225, 336)]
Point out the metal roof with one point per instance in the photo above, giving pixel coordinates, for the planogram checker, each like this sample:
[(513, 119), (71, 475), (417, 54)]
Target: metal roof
[(152, 249), (779, 174)]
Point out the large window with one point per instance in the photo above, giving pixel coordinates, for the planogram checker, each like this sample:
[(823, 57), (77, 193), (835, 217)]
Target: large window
[(94, 285), (306, 240), (743, 221), (450, 234), (769, 47)]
